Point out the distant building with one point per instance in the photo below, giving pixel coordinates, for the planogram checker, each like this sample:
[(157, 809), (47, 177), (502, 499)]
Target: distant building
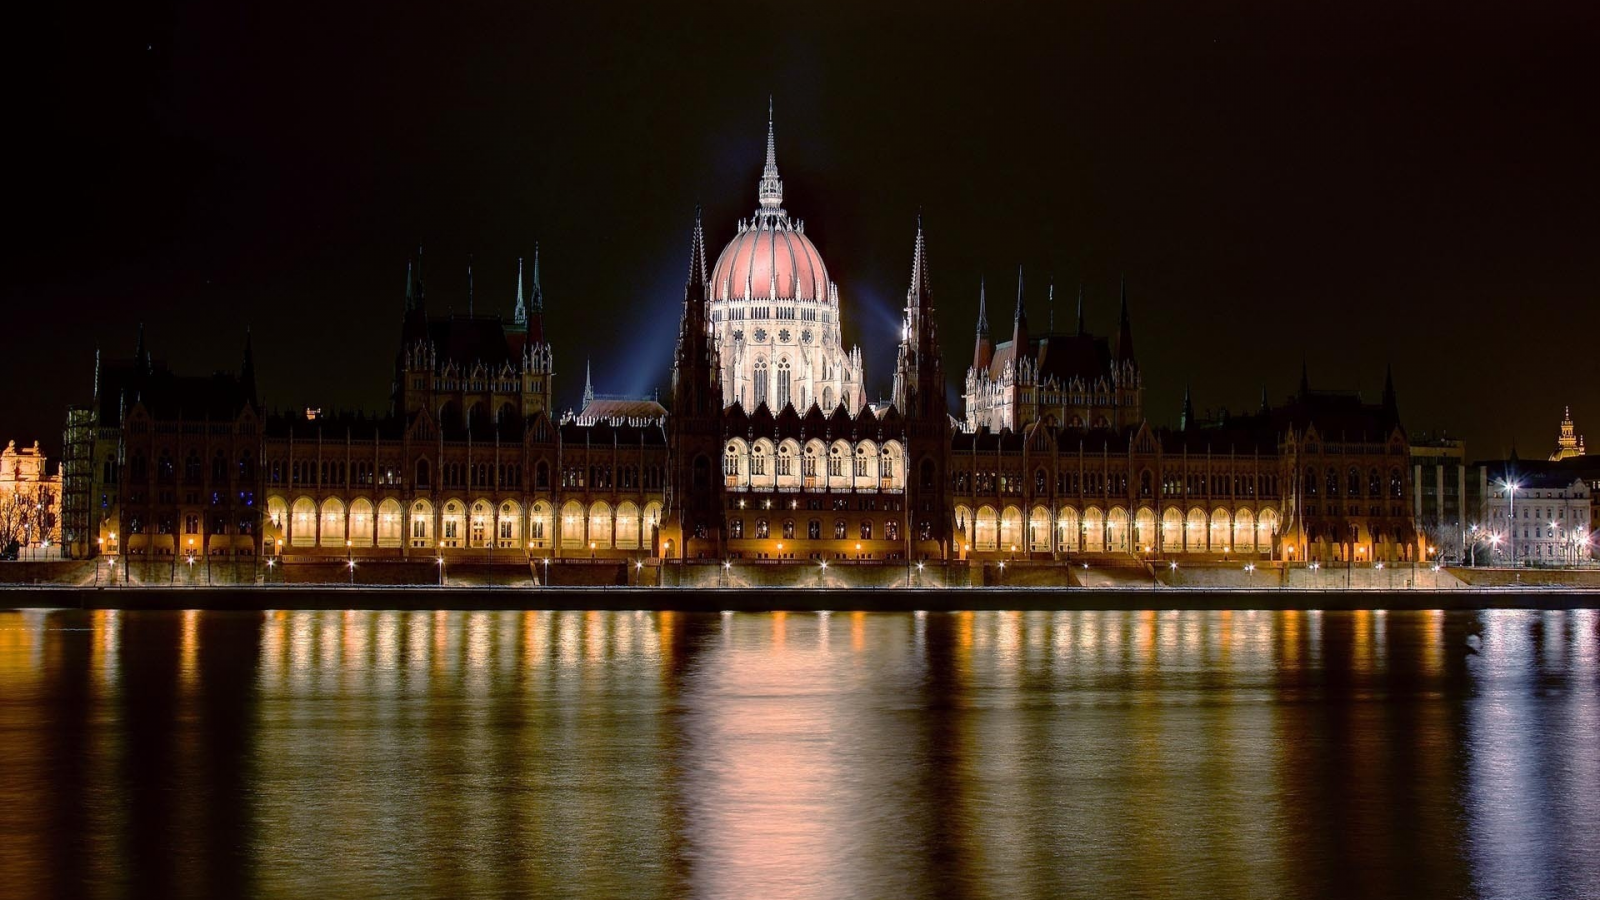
[(30, 499), (1440, 479), (1569, 443), (1540, 515)]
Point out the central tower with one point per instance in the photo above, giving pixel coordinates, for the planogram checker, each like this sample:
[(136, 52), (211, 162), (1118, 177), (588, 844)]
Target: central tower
[(775, 314)]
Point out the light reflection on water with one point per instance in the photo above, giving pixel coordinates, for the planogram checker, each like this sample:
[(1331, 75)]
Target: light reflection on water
[(1082, 754)]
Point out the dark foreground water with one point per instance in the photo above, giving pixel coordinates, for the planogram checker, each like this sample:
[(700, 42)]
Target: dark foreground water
[(547, 754)]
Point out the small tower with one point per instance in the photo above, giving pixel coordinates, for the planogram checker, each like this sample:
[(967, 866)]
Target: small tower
[(1568, 443), (983, 350), (692, 523)]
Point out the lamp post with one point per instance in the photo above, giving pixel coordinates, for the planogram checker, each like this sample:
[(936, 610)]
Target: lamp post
[(1511, 489), (441, 564), (100, 544), (350, 561)]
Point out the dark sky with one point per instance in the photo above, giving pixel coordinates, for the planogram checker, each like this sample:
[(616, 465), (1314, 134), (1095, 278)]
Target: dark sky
[(1352, 184)]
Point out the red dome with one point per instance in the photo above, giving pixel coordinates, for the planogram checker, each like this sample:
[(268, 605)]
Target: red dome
[(766, 250)]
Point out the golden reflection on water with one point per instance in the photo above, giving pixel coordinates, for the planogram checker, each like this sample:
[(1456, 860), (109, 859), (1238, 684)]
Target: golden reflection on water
[(1094, 754)]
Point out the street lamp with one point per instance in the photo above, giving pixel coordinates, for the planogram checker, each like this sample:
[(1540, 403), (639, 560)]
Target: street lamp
[(1511, 490)]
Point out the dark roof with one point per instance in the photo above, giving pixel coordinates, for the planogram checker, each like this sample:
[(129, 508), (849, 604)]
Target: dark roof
[(168, 397)]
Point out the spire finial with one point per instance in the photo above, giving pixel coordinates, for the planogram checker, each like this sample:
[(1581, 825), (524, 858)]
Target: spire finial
[(1050, 318), (588, 383), (519, 312), (1187, 420), (771, 189), (536, 296), (1021, 314), (697, 253), (469, 285), (1080, 309), (983, 310), (918, 293)]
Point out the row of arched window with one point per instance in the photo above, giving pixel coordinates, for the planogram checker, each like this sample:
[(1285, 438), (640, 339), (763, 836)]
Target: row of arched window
[(455, 524), (1094, 530), (786, 465)]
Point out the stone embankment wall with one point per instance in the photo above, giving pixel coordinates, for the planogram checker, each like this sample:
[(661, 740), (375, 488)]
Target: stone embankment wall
[(1127, 575)]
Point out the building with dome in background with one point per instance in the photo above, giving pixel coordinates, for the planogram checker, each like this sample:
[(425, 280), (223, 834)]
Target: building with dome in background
[(763, 451)]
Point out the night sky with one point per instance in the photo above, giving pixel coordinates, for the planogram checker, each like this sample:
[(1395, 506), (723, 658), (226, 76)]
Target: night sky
[(1350, 184)]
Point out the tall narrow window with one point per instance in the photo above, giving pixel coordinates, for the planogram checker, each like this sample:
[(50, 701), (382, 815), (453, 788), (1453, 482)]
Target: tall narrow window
[(783, 383), (760, 383)]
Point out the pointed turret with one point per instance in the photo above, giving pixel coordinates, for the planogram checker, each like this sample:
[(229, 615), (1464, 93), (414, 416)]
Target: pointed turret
[(1019, 325), (1186, 420), (519, 310), (536, 298), (1391, 407), (588, 385), (469, 286), (414, 280), (1265, 406), (1124, 328), (919, 379), (983, 351), (1081, 331)]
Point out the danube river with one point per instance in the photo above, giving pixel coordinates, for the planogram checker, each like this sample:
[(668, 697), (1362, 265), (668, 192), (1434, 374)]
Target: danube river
[(887, 755)]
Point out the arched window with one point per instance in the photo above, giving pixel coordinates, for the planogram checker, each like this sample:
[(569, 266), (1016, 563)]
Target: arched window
[(1333, 482), (219, 470), (760, 383), (422, 473), (1396, 489), (390, 528), (361, 522), (541, 475), (1353, 482), (783, 383), (1310, 482)]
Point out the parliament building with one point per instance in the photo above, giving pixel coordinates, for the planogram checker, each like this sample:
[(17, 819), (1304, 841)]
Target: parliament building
[(765, 447)]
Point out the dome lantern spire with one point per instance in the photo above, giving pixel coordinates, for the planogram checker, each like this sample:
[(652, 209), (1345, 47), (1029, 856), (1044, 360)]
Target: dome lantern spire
[(771, 189)]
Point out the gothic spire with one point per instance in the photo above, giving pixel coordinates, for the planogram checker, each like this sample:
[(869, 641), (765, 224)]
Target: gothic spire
[(697, 256), (1050, 318), (1021, 314), (1305, 380), (983, 311), (414, 280), (469, 285), (1124, 327), (519, 312), (1264, 405), (1187, 420), (1080, 309), (918, 294), (771, 188), (588, 384)]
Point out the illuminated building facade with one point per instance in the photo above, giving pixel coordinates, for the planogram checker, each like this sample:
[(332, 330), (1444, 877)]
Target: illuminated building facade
[(776, 314), (765, 449), (30, 500)]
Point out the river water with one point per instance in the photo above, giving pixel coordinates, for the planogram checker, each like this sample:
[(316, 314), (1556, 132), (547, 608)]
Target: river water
[(571, 754)]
